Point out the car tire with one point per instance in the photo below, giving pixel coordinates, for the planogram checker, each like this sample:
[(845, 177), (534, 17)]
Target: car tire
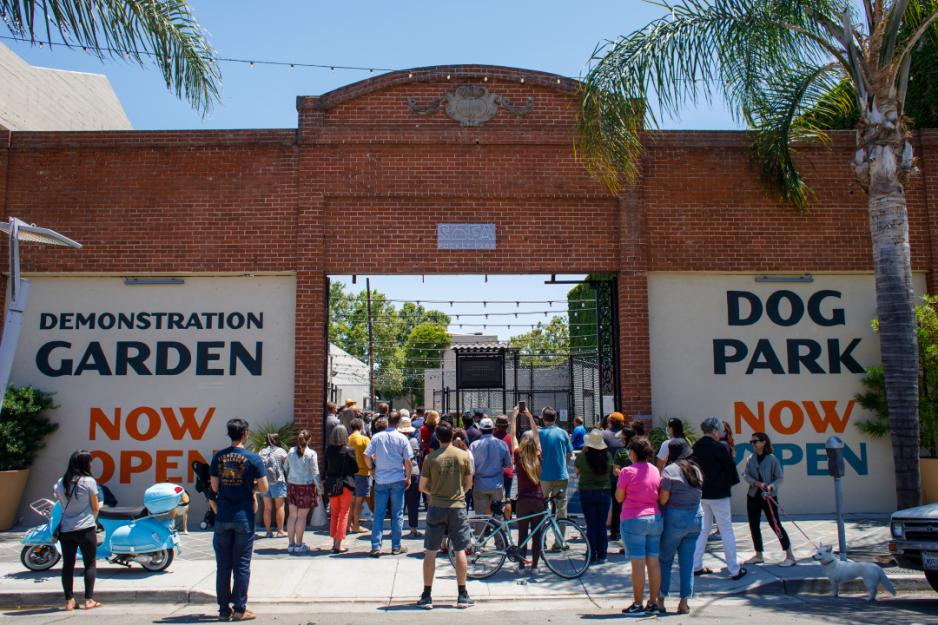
[(932, 577)]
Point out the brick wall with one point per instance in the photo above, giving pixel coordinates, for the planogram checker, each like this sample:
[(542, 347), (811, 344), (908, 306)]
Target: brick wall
[(361, 168)]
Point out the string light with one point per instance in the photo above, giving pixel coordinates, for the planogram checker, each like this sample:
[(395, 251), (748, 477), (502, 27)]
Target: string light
[(220, 59)]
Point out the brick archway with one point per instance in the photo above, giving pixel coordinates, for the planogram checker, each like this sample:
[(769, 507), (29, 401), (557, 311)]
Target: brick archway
[(364, 166)]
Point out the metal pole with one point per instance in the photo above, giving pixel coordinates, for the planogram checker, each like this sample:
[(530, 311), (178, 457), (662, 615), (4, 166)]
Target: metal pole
[(841, 532), (19, 294), (371, 348), (599, 348)]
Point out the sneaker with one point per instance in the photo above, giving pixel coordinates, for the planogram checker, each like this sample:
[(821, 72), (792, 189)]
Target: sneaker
[(652, 609), (398, 550), (301, 548), (291, 549), (787, 562), (375, 553), (635, 608), (247, 615), (425, 602), (756, 559), (224, 616), (464, 601)]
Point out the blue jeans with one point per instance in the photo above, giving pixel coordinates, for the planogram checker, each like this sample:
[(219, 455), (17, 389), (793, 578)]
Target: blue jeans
[(234, 546), (681, 529), (395, 492), (595, 504)]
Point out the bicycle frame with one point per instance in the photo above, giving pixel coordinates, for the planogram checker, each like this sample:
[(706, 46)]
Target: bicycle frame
[(547, 517)]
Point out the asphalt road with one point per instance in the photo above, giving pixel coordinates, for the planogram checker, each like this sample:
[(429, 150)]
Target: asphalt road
[(909, 609)]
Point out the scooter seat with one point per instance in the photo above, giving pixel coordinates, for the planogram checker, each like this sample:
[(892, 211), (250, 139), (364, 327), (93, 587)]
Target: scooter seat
[(125, 513)]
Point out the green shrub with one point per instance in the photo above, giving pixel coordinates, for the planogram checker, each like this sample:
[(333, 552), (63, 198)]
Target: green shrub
[(659, 434), (257, 438), (23, 426)]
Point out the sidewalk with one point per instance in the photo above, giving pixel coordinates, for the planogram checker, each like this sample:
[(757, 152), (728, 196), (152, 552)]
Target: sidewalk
[(321, 577)]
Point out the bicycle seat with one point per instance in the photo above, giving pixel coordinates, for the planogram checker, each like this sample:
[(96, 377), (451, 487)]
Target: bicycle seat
[(125, 513)]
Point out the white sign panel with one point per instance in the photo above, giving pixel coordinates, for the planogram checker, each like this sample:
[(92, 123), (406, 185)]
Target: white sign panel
[(778, 357), (145, 377)]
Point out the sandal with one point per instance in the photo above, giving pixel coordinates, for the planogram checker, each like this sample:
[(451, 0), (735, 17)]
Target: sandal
[(340, 550), (704, 571), (94, 604), (70, 604)]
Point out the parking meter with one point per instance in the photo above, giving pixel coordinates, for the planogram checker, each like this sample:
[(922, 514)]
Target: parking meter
[(835, 467), (835, 456)]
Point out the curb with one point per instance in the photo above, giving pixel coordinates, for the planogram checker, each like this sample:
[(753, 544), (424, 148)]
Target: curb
[(815, 585)]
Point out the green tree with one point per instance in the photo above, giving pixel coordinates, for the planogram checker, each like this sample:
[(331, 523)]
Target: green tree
[(838, 109), (772, 60), (547, 343), (164, 32), (348, 328), (392, 328), (874, 397), (423, 350)]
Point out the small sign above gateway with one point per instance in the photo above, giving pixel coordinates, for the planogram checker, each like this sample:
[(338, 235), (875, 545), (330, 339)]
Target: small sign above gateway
[(465, 236)]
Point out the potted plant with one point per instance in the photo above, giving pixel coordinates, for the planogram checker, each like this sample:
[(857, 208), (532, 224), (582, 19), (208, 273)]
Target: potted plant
[(23, 430)]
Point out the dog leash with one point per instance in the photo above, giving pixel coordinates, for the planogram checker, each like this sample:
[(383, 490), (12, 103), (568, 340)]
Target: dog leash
[(778, 531)]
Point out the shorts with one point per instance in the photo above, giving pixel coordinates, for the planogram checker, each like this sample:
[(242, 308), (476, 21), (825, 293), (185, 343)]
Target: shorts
[(362, 485), (482, 499), (452, 522), (642, 536), (301, 495), (276, 490)]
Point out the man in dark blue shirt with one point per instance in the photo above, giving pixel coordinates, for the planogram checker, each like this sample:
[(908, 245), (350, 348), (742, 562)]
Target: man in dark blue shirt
[(236, 475)]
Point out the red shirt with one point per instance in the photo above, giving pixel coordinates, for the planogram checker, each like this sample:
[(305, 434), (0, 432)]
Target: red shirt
[(508, 471), (425, 434)]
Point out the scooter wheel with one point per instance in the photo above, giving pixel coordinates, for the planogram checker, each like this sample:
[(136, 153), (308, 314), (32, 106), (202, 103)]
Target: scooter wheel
[(158, 560), (39, 557)]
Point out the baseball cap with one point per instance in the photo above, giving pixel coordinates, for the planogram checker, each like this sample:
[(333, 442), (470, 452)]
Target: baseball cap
[(486, 424)]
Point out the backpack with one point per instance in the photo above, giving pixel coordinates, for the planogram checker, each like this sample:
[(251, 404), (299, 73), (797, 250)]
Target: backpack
[(417, 448), (272, 464)]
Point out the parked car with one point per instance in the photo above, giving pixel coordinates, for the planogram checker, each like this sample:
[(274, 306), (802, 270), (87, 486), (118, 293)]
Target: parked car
[(915, 540)]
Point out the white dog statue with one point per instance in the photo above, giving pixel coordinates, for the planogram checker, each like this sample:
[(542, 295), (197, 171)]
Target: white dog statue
[(839, 572)]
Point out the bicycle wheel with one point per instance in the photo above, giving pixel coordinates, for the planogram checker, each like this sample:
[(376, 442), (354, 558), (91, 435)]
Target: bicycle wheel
[(486, 555), (565, 550)]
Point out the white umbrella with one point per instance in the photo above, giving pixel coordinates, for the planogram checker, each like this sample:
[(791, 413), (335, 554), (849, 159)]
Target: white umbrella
[(17, 230)]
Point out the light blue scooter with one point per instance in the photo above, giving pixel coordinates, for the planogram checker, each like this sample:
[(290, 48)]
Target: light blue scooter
[(145, 534)]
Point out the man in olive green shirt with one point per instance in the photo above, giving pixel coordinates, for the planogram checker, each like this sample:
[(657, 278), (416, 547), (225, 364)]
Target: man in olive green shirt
[(446, 476)]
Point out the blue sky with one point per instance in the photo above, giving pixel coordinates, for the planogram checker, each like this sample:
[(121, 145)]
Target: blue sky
[(549, 35)]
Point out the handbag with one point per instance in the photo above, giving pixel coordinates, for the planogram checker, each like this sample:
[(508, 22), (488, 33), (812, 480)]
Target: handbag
[(335, 485)]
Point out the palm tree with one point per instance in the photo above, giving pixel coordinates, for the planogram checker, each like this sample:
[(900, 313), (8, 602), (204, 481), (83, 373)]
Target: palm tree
[(772, 60), (164, 31)]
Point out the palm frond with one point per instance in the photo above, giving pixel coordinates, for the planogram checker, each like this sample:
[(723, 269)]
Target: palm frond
[(778, 117), (699, 50), (129, 29)]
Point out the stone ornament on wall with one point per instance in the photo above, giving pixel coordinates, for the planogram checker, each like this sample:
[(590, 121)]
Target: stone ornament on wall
[(470, 105)]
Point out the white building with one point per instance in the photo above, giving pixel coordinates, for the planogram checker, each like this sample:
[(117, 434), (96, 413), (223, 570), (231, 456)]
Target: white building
[(347, 377), (40, 98)]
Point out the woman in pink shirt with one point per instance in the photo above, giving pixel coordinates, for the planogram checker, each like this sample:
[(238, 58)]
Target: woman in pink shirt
[(641, 524)]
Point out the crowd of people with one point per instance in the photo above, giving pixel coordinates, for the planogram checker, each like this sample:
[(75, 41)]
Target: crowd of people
[(660, 503)]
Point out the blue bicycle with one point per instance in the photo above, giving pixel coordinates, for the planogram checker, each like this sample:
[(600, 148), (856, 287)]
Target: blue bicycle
[(564, 546)]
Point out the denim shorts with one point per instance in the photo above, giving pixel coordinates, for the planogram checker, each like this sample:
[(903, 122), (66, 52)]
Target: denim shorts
[(642, 536), (362, 485), (276, 490)]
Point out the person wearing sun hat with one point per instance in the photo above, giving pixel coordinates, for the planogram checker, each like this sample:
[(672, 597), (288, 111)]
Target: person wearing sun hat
[(412, 494), (491, 457), (592, 465)]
